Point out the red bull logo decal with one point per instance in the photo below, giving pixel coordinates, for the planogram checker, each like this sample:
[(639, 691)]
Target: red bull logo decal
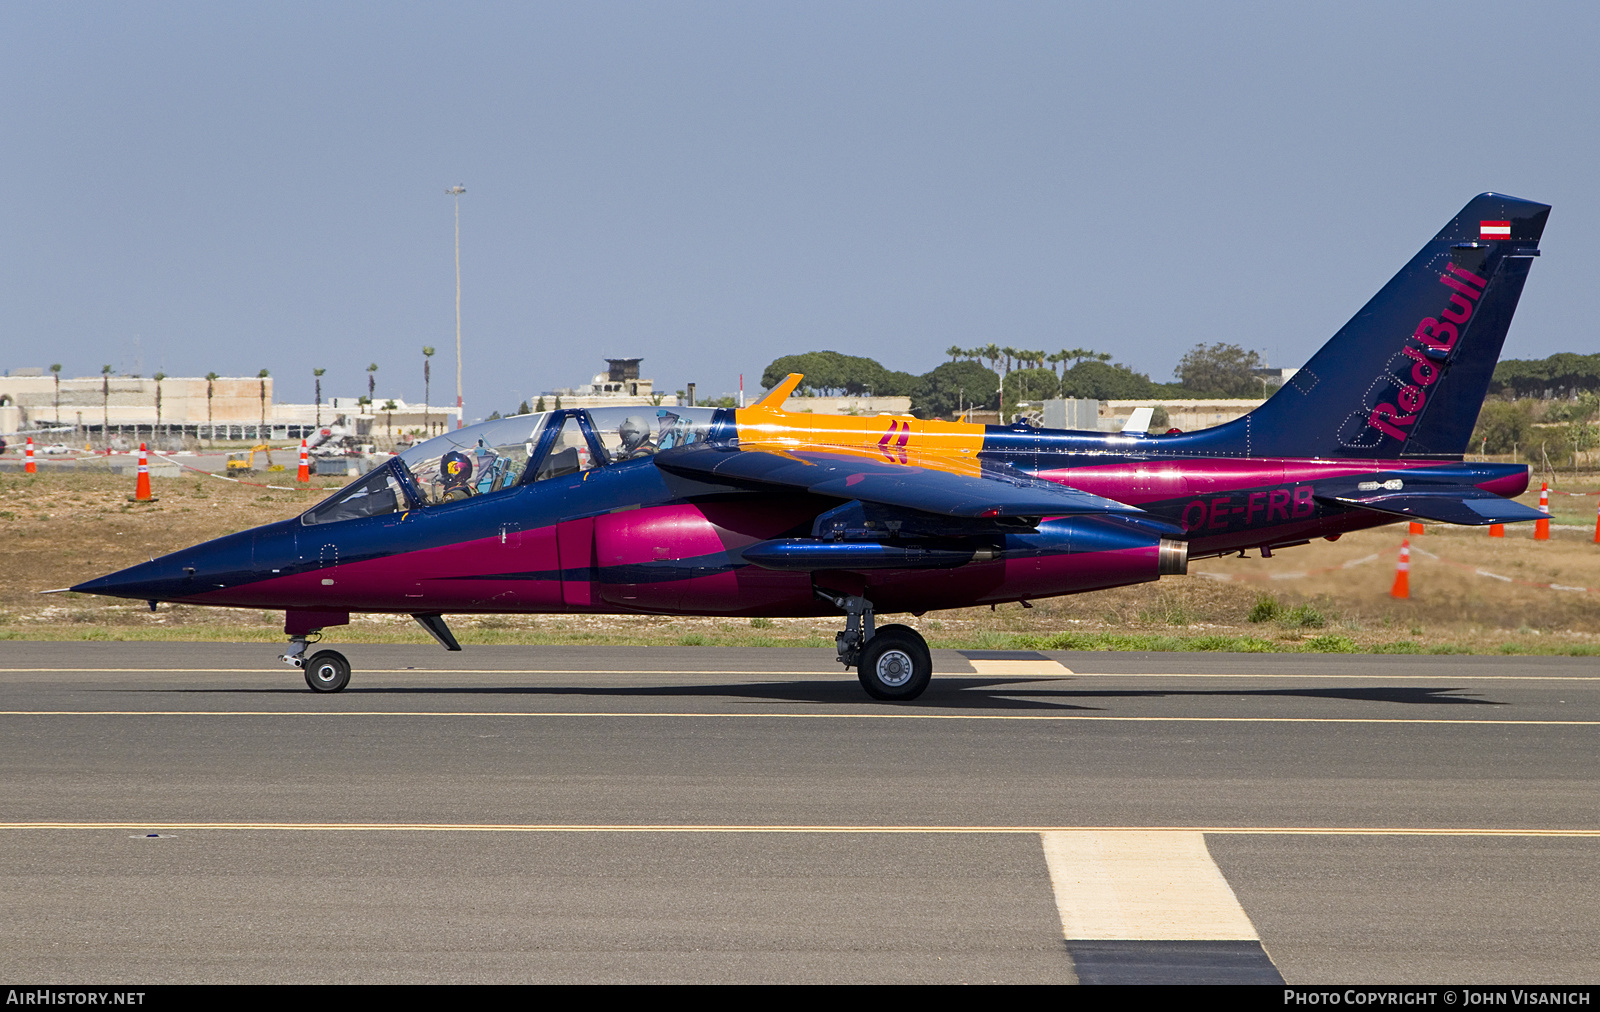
[(1429, 348), (893, 443)]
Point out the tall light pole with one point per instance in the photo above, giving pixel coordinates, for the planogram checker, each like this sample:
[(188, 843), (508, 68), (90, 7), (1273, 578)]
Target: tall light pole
[(456, 191)]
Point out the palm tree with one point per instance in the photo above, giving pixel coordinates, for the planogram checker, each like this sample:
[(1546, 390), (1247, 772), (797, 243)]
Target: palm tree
[(955, 351), (317, 373), (427, 417), (262, 376), (158, 378), (991, 353), (389, 407), (211, 428), (372, 380), (55, 370), (105, 404)]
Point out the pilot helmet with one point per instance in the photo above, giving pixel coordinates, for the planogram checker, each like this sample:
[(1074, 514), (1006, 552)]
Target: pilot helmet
[(455, 468), (633, 430)]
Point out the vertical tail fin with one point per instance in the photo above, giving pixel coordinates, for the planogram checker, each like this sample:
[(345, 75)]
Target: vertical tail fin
[(1407, 375)]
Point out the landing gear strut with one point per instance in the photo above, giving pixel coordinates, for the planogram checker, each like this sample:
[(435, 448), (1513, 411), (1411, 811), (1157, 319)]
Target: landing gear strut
[(893, 663), (326, 670)]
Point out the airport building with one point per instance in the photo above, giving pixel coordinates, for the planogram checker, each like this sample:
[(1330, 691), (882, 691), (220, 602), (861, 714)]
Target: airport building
[(620, 385), (1111, 416), (849, 405), (101, 408)]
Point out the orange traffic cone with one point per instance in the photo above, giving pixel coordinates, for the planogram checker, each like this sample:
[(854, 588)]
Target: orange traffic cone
[(1416, 528), (1499, 531), (1402, 573), (141, 488), (29, 466), (1541, 528), (305, 470)]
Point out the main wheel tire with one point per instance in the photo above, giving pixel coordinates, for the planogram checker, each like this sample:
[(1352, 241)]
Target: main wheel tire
[(327, 671), (895, 664)]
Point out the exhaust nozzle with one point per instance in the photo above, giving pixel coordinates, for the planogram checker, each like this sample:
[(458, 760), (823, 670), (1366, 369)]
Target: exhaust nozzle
[(1172, 558)]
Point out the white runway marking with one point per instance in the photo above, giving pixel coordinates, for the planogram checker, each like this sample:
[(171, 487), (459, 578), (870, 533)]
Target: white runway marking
[(1020, 668), (1142, 886)]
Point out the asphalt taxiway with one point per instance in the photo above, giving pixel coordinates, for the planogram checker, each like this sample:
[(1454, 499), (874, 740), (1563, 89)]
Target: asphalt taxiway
[(190, 812)]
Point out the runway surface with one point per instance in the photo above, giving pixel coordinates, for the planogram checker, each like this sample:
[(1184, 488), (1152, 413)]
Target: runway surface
[(190, 812)]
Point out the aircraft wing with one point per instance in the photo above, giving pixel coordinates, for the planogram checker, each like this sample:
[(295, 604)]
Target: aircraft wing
[(1469, 506), (998, 491)]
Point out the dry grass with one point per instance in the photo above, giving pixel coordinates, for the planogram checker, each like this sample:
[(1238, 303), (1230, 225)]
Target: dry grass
[(59, 529)]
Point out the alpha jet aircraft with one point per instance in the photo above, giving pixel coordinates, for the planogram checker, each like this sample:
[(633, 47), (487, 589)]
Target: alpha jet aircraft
[(761, 512)]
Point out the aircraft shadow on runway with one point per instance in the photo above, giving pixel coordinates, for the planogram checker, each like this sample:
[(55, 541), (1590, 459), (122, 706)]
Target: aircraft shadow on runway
[(944, 693)]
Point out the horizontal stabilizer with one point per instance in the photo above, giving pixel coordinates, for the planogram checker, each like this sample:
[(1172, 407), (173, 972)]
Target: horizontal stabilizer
[(998, 492), (1473, 508)]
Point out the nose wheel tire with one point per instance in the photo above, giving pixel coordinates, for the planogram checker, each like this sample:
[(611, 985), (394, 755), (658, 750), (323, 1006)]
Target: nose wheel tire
[(327, 671), (895, 664)]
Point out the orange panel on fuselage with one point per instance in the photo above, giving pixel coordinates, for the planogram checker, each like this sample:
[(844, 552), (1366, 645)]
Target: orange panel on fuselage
[(900, 439)]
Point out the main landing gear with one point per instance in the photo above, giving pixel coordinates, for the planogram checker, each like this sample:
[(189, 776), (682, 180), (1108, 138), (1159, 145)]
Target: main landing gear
[(893, 663), (326, 670)]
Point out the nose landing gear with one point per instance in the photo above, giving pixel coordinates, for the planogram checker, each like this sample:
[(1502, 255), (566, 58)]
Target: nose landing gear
[(326, 670), (893, 663)]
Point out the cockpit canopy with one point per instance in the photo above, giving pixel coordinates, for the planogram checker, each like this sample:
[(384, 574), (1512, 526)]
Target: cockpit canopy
[(504, 453)]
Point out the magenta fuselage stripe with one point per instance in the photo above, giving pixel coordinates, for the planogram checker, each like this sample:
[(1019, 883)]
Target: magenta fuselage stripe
[(523, 571)]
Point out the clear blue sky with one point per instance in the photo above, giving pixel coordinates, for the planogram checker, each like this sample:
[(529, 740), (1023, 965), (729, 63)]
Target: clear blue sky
[(229, 187)]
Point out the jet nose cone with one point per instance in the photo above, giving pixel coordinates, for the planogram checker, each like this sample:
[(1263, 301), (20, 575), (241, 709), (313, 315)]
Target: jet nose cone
[(143, 582)]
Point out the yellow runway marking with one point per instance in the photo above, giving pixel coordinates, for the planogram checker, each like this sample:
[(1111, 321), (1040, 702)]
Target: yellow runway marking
[(471, 827), (1342, 677), (286, 670), (1034, 669), (1142, 885), (794, 716)]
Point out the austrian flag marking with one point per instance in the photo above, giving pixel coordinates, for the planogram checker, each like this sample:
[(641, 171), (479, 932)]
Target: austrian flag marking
[(1494, 230)]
